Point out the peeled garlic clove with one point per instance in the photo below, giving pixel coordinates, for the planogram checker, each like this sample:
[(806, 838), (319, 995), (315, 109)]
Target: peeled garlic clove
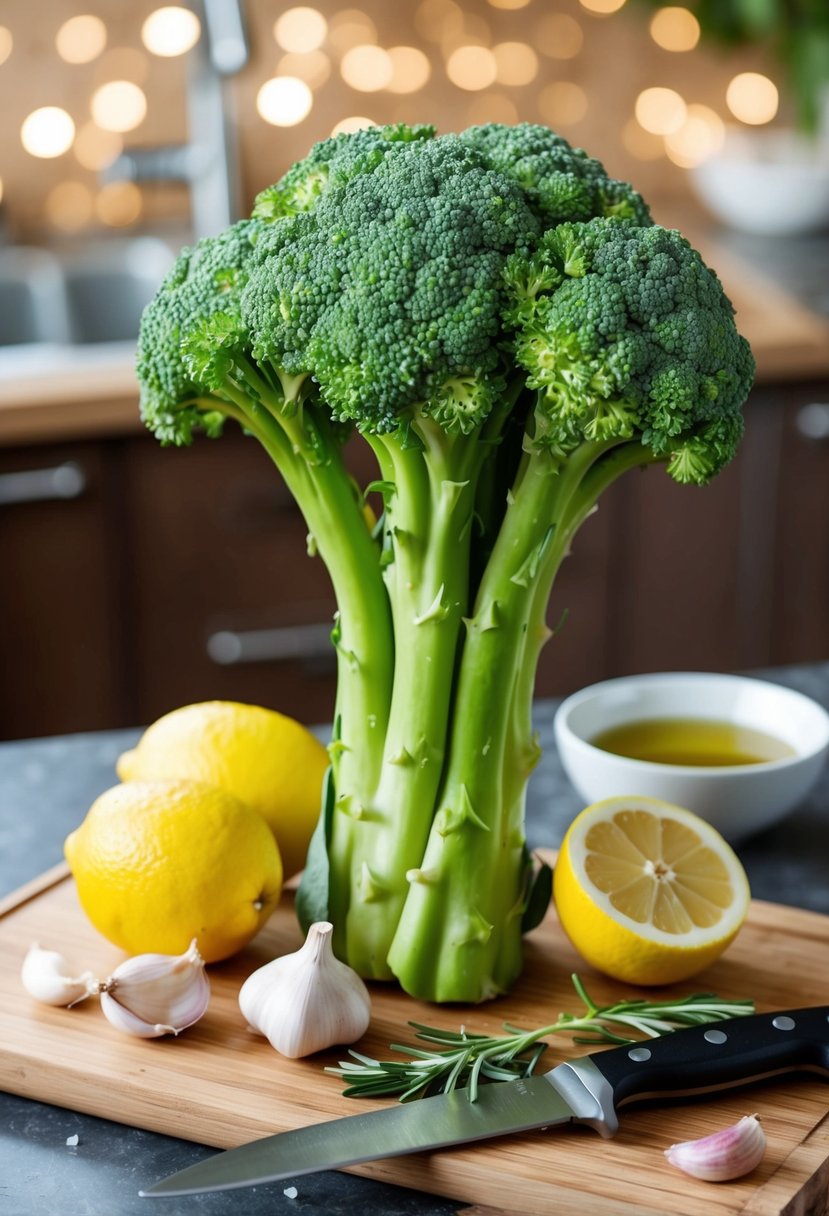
[(307, 1001), (726, 1154), (155, 994), (47, 977)]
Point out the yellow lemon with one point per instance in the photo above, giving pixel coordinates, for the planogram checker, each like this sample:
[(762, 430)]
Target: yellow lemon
[(268, 760), (159, 863), (648, 892)]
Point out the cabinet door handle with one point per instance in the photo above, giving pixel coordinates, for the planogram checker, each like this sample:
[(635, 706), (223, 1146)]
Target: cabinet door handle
[(228, 647), (812, 420), (63, 481)]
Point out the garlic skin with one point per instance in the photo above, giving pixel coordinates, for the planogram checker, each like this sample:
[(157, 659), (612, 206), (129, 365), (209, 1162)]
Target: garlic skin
[(726, 1154), (47, 977), (307, 1001), (156, 994)]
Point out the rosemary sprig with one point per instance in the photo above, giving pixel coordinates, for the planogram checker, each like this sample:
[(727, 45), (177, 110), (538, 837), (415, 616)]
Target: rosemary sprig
[(468, 1059)]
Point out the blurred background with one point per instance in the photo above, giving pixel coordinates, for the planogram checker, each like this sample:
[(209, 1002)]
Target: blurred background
[(134, 579)]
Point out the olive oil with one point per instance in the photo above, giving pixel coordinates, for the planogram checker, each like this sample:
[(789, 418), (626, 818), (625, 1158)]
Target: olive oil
[(695, 741)]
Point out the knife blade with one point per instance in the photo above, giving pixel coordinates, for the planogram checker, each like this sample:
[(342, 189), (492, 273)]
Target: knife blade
[(590, 1089)]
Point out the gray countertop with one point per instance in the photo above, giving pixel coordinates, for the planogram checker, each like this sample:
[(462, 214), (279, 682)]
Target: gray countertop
[(46, 787)]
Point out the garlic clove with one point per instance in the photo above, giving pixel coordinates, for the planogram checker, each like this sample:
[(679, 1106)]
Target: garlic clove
[(726, 1154), (47, 977), (307, 1001), (156, 994)]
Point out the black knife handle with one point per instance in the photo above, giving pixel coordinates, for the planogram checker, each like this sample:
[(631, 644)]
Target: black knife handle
[(718, 1054)]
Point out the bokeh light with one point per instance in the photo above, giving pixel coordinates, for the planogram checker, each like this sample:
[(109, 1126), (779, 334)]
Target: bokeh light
[(356, 122), (509, 4), (410, 69), (366, 68), (119, 204), (47, 132), (6, 43), (675, 29), (559, 36), (660, 111), (314, 67), (491, 107), (284, 101), (69, 206), (752, 98), (350, 27), (562, 103), (119, 106), (436, 20), (95, 149), (602, 8), (81, 39), (123, 63), (472, 67), (700, 136), (641, 143), (170, 31), (516, 63), (300, 30)]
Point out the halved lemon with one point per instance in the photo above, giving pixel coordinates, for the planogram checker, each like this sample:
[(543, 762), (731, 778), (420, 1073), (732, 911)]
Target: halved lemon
[(647, 892)]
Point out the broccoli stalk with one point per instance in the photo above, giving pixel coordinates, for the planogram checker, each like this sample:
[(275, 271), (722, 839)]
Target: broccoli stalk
[(507, 330)]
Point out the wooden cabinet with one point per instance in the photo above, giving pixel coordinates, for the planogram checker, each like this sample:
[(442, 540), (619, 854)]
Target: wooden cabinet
[(139, 578)]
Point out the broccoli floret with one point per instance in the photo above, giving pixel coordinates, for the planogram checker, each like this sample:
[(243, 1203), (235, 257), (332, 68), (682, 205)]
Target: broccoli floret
[(634, 335), (563, 182), (205, 282), (509, 332)]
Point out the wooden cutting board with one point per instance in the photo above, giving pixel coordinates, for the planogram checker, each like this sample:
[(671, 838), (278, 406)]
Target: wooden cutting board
[(220, 1085)]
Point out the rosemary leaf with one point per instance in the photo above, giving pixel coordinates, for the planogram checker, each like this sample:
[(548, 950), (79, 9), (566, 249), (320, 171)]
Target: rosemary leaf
[(466, 1060)]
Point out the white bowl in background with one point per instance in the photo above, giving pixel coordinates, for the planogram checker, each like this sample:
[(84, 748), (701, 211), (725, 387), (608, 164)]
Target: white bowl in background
[(738, 800), (773, 182)]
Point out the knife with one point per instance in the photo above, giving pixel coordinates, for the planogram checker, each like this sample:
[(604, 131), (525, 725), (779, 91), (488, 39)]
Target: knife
[(589, 1090)]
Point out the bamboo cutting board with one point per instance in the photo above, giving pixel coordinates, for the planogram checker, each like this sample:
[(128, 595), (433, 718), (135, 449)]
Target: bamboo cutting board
[(220, 1085)]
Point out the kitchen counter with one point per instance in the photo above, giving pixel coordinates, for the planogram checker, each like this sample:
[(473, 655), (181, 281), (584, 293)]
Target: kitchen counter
[(52, 392), (46, 787)]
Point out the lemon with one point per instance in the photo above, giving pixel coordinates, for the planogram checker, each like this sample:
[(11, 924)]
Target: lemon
[(268, 760), (648, 892), (159, 863)]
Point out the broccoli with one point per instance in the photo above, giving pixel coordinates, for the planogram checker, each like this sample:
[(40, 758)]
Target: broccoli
[(507, 329)]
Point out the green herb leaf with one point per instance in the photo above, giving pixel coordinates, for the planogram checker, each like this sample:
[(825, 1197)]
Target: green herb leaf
[(460, 1059)]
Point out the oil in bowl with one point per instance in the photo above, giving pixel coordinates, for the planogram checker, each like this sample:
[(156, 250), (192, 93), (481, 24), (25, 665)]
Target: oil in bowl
[(698, 742)]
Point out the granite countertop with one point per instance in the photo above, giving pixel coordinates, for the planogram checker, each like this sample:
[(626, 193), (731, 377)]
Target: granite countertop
[(46, 787)]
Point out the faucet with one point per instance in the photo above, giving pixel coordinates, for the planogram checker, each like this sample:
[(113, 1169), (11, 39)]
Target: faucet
[(208, 162)]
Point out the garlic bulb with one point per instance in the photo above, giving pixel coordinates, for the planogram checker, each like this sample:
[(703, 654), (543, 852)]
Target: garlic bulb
[(307, 1001), (155, 994), (725, 1154), (47, 977)]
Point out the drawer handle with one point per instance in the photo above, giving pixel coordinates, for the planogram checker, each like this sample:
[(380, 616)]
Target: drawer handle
[(64, 481), (227, 647), (812, 420)]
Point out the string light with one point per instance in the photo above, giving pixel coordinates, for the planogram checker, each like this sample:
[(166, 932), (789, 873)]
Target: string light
[(68, 206), (95, 149), (347, 126), (350, 27), (562, 103), (119, 204), (602, 8), (6, 43), (314, 67)]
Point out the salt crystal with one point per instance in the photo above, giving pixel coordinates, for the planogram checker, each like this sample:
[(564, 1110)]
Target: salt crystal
[(290, 1192), (72, 1141)]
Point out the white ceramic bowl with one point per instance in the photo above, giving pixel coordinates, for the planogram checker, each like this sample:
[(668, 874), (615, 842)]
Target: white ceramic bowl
[(737, 799)]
